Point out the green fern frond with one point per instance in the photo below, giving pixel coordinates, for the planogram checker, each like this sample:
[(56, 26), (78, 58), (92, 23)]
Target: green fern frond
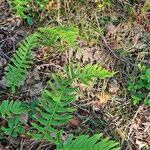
[(9, 108), (16, 72), (87, 73), (84, 142), (19, 7), (54, 108), (53, 35)]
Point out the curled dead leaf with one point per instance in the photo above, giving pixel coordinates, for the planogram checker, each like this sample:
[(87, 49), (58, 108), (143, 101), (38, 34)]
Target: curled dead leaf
[(103, 97)]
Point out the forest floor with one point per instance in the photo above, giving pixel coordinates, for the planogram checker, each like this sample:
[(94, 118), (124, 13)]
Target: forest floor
[(117, 37)]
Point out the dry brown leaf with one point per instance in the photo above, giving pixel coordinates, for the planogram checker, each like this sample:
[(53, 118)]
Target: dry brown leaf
[(103, 97), (113, 86), (74, 122), (52, 5)]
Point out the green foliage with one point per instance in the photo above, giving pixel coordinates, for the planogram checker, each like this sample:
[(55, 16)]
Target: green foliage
[(140, 86), (87, 73), (10, 111), (16, 72), (15, 127), (51, 36), (54, 108), (84, 142), (145, 9), (20, 7), (54, 105), (9, 108)]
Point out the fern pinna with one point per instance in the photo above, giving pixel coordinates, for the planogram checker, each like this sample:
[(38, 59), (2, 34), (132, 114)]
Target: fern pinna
[(9, 108), (54, 105), (16, 72), (10, 111), (19, 7)]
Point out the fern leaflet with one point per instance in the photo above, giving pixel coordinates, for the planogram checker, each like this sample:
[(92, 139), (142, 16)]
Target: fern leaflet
[(9, 108), (20, 7), (53, 35)]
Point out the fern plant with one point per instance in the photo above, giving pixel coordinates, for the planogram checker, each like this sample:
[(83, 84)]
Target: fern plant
[(54, 106), (16, 72), (87, 73), (22, 7), (54, 109), (84, 142), (14, 128)]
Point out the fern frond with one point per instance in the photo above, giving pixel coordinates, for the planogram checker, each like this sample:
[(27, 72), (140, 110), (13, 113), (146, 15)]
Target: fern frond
[(9, 108), (19, 7), (84, 142), (87, 73), (16, 72), (54, 108), (65, 34)]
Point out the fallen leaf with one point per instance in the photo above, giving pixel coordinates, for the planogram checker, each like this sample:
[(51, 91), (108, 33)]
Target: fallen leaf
[(52, 5), (113, 86), (74, 122), (103, 97)]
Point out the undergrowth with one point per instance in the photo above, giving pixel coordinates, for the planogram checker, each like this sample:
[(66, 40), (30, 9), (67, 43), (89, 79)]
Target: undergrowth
[(54, 107), (139, 86)]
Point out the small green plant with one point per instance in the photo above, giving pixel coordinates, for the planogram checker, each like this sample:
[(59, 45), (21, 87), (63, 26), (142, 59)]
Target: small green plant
[(54, 109), (139, 87), (9, 108), (19, 7), (14, 128)]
